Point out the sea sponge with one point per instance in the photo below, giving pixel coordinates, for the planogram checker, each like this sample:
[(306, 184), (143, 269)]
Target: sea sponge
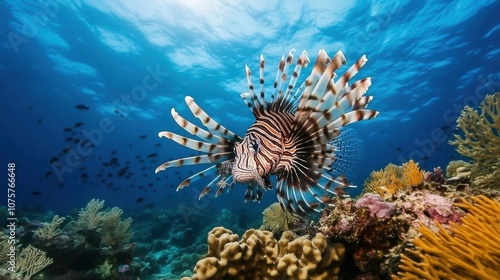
[(258, 255), (481, 141), (276, 219), (468, 251)]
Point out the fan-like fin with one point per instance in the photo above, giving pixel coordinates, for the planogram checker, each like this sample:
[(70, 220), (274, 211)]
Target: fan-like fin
[(194, 129), (194, 144), (212, 158), (197, 176), (210, 123)]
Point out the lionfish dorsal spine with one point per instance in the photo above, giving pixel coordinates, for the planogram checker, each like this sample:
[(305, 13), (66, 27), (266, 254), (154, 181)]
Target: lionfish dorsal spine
[(194, 129), (209, 122)]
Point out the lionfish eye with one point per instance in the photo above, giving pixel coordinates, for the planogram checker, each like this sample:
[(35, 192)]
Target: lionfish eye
[(254, 146)]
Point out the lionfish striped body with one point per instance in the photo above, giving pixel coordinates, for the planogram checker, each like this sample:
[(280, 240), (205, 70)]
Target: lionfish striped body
[(298, 135)]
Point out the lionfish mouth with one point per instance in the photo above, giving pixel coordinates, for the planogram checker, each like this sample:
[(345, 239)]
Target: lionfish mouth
[(248, 176)]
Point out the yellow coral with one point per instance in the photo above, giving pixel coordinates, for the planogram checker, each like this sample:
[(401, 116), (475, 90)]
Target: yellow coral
[(50, 230), (481, 141), (412, 175), (277, 220), (91, 217), (469, 251), (393, 178), (259, 256), (30, 261)]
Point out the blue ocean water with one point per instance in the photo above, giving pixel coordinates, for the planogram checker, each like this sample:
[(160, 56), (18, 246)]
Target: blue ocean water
[(87, 85)]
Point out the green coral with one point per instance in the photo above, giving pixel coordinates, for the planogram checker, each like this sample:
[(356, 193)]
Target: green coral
[(481, 141), (105, 270), (114, 231), (277, 220)]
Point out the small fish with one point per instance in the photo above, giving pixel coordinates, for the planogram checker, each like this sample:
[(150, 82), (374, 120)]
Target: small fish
[(54, 159), (78, 124), (298, 135), (143, 137), (82, 107), (40, 120), (36, 193), (122, 268), (68, 129), (139, 200), (47, 175), (152, 155)]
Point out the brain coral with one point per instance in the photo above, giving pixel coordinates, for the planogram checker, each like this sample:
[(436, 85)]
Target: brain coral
[(468, 251), (481, 141), (259, 256)]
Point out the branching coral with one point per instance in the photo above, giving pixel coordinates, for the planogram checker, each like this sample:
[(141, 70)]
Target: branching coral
[(30, 261), (468, 251), (50, 230), (412, 175), (392, 178), (481, 141), (115, 232), (259, 256), (277, 220), (91, 217)]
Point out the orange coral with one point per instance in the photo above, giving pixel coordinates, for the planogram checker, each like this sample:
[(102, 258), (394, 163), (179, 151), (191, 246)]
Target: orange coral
[(468, 251), (412, 175), (393, 178)]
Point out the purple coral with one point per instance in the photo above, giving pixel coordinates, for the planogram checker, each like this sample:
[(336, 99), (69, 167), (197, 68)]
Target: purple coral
[(436, 176), (377, 206)]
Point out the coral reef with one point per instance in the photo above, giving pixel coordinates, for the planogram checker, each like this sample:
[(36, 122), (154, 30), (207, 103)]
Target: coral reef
[(259, 256), (276, 219), (466, 251), (368, 231), (388, 181), (481, 141), (29, 261), (79, 246)]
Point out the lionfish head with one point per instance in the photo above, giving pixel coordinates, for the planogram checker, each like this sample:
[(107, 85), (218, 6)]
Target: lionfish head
[(245, 166)]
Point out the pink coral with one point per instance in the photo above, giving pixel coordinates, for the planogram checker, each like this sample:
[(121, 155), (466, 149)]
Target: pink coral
[(439, 208), (377, 206)]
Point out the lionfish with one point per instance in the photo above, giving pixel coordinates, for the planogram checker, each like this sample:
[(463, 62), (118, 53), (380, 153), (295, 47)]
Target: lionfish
[(297, 135)]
